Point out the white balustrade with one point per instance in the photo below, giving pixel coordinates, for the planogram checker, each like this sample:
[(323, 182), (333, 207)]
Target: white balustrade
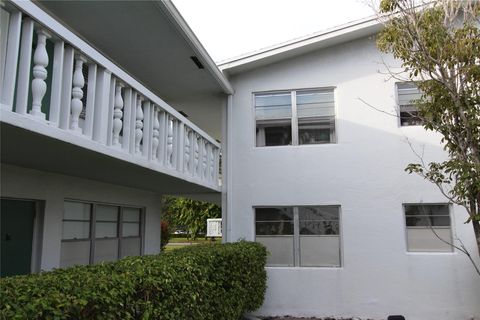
[(78, 82), (117, 114), (156, 133), (138, 124), (40, 63), (120, 113)]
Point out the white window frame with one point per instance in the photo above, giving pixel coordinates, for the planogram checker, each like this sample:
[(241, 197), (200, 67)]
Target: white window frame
[(92, 238), (450, 227), (294, 117), (296, 235)]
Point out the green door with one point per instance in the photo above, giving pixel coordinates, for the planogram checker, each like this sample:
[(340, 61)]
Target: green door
[(16, 231)]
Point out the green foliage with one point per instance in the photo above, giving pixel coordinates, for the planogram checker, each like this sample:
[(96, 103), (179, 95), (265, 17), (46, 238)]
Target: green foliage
[(190, 213), (198, 282), (439, 46)]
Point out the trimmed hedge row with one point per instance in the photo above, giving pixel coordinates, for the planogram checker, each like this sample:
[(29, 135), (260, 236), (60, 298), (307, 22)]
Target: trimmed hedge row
[(196, 282)]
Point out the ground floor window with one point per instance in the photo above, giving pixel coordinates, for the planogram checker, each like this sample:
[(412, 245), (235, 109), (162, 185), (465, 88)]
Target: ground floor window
[(94, 232), (428, 227), (301, 236)]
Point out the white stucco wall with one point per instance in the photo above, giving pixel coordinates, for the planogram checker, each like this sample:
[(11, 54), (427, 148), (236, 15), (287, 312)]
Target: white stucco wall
[(22, 183), (364, 174)]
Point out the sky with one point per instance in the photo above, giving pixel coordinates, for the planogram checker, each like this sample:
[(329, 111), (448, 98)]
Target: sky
[(229, 28)]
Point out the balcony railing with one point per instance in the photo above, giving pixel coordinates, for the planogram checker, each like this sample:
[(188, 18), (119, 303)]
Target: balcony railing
[(53, 76)]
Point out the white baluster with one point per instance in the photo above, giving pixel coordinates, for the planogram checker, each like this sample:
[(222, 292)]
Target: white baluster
[(117, 113), (187, 150), (212, 163), (169, 141), (138, 124), (156, 134), (204, 160), (78, 82), (40, 63), (196, 153)]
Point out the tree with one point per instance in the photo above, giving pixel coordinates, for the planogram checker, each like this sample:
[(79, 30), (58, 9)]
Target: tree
[(438, 44), (190, 213)]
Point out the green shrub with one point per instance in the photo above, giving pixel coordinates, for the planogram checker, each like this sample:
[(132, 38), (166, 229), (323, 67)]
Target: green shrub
[(197, 282)]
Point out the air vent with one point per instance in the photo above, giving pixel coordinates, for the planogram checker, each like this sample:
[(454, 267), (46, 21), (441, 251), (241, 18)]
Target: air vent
[(197, 62)]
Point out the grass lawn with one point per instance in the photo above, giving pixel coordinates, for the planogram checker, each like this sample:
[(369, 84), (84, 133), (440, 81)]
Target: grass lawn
[(176, 243)]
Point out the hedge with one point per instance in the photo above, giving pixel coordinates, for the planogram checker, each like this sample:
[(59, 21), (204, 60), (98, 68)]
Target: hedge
[(196, 282)]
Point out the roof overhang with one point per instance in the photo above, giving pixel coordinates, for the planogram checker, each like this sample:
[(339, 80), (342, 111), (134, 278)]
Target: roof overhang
[(299, 46)]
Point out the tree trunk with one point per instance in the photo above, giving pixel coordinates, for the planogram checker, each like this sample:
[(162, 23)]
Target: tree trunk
[(476, 229)]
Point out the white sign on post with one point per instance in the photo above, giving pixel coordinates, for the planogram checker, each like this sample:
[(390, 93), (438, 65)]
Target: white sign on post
[(214, 227)]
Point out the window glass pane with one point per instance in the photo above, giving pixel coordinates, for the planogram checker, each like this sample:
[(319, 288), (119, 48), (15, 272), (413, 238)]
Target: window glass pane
[(274, 133), (319, 251), (427, 209), (106, 213), (280, 249), (76, 211), (274, 214), (106, 229), (74, 253), (130, 229), (315, 103), (407, 92), (423, 239), (106, 250), (131, 214), (318, 213), (273, 106), (274, 228), (75, 230), (426, 221), (316, 131), (314, 227), (130, 247)]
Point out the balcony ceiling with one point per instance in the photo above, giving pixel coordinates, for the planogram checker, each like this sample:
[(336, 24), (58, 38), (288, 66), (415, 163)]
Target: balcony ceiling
[(141, 38)]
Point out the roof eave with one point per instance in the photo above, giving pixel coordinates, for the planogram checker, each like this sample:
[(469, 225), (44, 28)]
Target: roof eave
[(176, 18)]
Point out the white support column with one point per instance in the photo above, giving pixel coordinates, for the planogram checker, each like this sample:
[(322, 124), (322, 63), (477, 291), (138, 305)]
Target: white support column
[(211, 172), (40, 74), (11, 61), (117, 113), (90, 108), (66, 93), (57, 72), (100, 121), (147, 130), (24, 66), (138, 125), (155, 133), (127, 115), (77, 93)]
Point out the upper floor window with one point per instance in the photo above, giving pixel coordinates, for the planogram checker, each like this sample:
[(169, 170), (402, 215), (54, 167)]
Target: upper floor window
[(407, 93), (295, 117)]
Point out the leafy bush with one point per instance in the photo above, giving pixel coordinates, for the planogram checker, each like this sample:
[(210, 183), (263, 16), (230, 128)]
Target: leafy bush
[(197, 282)]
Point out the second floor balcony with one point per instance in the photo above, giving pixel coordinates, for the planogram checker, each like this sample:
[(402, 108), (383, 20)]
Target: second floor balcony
[(88, 103)]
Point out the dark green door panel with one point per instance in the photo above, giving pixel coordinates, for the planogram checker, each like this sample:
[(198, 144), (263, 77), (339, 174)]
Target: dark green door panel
[(16, 235)]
